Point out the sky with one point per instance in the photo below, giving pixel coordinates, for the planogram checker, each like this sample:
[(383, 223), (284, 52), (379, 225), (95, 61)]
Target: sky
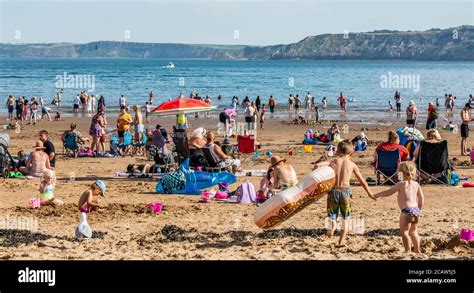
[(244, 22)]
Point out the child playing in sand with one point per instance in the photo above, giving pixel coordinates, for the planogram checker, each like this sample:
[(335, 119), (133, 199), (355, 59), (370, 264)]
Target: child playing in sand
[(340, 197), (21, 160), (47, 185), (410, 202), (89, 200)]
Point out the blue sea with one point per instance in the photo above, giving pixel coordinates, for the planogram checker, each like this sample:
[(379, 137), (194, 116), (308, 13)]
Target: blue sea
[(368, 85)]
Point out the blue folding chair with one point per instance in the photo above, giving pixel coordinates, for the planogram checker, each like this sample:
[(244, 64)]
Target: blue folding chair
[(70, 144), (386, 166)]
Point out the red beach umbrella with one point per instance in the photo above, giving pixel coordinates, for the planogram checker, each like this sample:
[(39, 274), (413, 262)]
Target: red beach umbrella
[(182, 106)]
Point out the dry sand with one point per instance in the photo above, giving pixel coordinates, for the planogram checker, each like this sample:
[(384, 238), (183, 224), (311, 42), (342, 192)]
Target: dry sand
[(188, 229)]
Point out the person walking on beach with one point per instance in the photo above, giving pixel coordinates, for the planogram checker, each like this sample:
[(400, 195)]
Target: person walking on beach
[(10, 106), (290, 103), (19, 108), (244, 102), (412, 114), (465, 118), (271, 104), (297, 105), (324, 101), (410, 201), (340, 197), (235, 102), (262, 116), (148, 108), (432, 116), (313, 104), (26, 106), (33, 110), (398, 101), (93, 101), (83, 101), (122, 101), (258, 103), (101, 103), (250, 116)]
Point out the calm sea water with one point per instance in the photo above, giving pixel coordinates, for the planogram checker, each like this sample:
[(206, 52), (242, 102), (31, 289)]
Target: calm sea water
[(359, 80)]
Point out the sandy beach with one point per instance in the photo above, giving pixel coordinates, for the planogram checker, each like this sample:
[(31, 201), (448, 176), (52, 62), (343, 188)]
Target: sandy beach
[(188, 229)]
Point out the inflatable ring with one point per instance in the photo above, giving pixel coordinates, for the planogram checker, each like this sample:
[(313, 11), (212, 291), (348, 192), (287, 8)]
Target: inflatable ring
[(289, 202)]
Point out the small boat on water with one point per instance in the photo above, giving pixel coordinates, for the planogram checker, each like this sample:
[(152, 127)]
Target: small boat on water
[(170, 65)]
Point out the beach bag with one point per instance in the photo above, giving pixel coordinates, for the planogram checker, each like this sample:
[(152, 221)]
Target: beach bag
[(454, 179), (174, 181), (246, 193), (435, 113)]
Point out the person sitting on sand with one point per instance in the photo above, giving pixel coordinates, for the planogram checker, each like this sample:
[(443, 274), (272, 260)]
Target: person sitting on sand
[(410, 202), (58, 117), (216, 151), (283, 176), (340, 197), (332, 131), (38, 161), (21, 160), (47, 185), (393, 143), (432, 136), (90, 200)]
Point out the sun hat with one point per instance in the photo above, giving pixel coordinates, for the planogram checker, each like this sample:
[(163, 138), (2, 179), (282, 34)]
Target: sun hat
[(411, 102), (275, 160), (101, 186), (39, 145), (199, 133)]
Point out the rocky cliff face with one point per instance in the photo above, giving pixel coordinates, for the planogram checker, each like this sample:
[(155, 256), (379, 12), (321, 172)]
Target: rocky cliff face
[(454, 44)]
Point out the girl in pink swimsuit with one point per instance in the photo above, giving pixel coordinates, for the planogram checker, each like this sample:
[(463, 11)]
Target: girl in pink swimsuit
[(90, 198)]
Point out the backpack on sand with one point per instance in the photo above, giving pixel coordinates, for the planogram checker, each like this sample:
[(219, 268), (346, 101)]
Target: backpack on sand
[(246, 193)]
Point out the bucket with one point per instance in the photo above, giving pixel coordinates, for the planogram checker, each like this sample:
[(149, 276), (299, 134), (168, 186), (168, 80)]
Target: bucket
[(466, 234), (156, 207), (206, 196), (221, 195), (34, 203)]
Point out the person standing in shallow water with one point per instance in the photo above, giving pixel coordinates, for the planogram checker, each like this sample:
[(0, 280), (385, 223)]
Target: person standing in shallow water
[(398, 101), (258, 103)]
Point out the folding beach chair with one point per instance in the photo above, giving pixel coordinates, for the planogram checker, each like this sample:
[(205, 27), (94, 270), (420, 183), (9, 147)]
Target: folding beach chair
[(213, 164), (386, 166), (433, 162), (245, 146), (121, 148), (180, 140), (71, 145)]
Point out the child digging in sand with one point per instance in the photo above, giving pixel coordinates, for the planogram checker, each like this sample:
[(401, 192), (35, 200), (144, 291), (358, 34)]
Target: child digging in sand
[(89, 200), (410, 202), (340, 197), (47, 185)]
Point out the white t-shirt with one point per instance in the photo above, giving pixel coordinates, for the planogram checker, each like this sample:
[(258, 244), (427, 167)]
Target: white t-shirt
[(77, 100), (123, 101)]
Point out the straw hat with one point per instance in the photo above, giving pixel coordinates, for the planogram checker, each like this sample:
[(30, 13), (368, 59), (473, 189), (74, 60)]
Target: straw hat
[(275, 160), (39, 145)]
